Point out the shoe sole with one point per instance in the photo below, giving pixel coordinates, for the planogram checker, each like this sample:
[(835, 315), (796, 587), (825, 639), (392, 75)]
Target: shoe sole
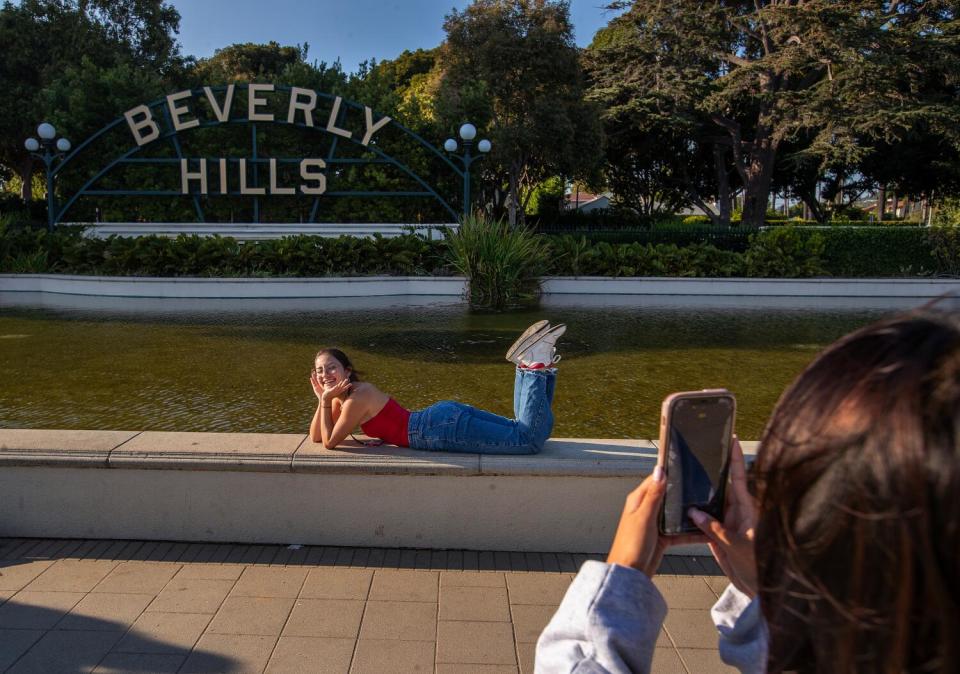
[(528, 334), (557, 330)]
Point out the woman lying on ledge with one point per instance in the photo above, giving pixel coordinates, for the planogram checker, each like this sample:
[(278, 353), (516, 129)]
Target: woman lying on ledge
[(346, 402), (855, 564)]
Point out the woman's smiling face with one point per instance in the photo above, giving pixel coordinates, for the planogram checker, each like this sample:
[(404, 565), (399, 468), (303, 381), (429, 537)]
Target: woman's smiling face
[(330, 371)]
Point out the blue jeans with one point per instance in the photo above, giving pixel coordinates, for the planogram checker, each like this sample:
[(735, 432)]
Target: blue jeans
[(449, 426)]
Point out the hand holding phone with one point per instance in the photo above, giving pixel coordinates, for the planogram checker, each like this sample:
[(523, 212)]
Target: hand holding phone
[(696, 433), (637, 543), (731, 539)]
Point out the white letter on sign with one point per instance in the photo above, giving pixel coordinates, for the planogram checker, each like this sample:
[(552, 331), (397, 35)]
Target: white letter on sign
[(253, 102), (223, 174), (273, 180), (318, 176), (307, 107), (178, 111), (146, 121), (222, 114), (332, 121), (243, 181), (186, 176), (371, 127)]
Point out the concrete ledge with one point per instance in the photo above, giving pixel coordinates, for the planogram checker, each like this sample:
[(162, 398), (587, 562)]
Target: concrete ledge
[(260, 488), (207, 451), (81, 449), (456, 286), (816, 287), (578, 457), (233, 288), (284, 453)]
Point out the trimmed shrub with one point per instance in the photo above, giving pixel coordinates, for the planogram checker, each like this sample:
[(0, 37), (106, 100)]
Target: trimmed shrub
[(945, 249), (784, 252), (572, 256), (725, 238), (666, 250), (876, 251), (68, 251)]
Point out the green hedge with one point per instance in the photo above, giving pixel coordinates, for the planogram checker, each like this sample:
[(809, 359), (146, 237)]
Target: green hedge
[(878, 251), (725, 238), (787, 251), (36, 251), (772, 252)]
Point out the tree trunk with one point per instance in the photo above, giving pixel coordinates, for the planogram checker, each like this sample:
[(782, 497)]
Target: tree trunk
[(896, 205), (723, 185), (881, 202), (814, 210), (756, 189), (25, 171), (512, 198)]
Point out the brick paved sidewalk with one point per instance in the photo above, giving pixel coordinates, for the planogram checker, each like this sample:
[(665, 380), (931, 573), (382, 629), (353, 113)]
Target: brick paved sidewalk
[(134, 606)]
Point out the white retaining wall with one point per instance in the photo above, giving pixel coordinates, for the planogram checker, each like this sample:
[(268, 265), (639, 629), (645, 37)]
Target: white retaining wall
[(281, 489), (453, 286)]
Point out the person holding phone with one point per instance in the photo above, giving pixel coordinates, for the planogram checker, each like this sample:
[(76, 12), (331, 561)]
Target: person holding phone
[(344, 402), (845, 554)]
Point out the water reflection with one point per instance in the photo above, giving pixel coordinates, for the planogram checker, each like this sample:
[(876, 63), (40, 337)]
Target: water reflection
[(242, 365)]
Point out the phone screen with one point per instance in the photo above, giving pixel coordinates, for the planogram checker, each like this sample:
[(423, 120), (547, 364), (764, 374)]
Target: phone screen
[(698, 448)]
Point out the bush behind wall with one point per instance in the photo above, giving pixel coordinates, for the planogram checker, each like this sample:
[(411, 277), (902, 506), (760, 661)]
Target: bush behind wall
[(782, 251)]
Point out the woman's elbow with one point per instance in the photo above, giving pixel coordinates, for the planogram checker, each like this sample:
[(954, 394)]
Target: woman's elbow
[(331, 445)]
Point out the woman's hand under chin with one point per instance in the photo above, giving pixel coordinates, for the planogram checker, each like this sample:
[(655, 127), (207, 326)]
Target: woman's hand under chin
[(316, 385), (335, 391)]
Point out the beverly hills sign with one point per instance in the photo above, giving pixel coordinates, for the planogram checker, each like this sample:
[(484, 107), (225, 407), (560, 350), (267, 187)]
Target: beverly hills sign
[(301, 106), (110, 166)]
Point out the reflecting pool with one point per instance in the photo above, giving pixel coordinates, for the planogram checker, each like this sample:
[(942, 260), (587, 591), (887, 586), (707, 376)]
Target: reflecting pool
[(242, 365)]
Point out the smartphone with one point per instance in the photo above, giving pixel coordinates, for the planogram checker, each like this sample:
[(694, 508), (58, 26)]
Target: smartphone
[(696, 435)]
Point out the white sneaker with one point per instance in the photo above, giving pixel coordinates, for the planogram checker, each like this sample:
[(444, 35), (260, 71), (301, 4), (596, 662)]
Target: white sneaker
[(529, 336), (543, 351)]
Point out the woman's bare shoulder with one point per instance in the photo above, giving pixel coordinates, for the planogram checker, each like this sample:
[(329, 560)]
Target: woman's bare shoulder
[(365, 389)]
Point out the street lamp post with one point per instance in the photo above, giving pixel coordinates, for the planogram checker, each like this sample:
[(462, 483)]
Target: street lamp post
[(52, 151), (467, 133)]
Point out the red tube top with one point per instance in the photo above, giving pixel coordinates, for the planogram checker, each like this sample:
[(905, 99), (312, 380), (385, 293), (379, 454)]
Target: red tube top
[(389, 424)]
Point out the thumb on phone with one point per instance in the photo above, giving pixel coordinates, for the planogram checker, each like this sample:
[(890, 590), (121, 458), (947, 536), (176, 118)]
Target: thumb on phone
[(714, 530), (732, 549)]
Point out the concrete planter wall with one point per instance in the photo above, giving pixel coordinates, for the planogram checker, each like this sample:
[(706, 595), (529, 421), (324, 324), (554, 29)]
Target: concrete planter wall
[(261, 488), (454, 286), (233, 288)]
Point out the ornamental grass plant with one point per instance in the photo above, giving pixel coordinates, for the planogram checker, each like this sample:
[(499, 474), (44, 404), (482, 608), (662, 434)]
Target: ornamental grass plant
[(502, 263)]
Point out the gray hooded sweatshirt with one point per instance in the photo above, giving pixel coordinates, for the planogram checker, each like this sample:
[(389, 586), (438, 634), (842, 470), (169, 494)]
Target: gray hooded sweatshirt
[(611, 615)]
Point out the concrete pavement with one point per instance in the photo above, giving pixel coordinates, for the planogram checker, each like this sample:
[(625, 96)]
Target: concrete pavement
[(137, 606)]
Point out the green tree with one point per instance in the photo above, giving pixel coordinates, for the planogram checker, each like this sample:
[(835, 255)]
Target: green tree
[(662, 152), (45, 41), (270, 62), (511, 67), (765, 72)]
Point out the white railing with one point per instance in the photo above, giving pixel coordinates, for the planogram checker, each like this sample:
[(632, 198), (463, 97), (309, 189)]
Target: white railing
[(247, 231)]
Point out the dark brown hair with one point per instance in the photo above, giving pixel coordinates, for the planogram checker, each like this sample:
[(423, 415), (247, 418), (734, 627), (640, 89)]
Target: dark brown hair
[(858, 480), (342, 359)]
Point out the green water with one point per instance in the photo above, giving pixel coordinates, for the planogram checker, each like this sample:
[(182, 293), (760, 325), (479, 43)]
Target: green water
[(245, 369)]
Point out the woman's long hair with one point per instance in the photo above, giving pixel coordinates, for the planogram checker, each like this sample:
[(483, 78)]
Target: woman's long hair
[(342, 359), (858, 479)]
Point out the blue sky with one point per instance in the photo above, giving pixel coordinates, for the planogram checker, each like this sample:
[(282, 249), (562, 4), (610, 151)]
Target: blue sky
[(353, 30)]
